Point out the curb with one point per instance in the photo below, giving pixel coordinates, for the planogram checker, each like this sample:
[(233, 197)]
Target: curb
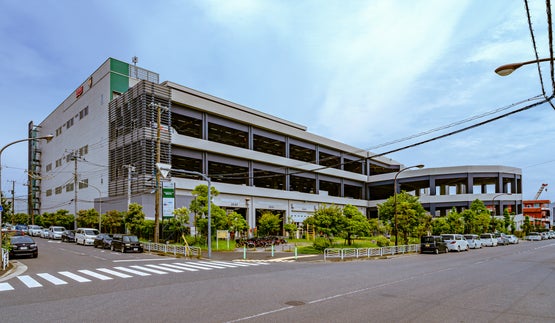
[(17, 269)]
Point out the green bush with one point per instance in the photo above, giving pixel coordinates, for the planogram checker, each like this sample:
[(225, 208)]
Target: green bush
[(321, 244), (382, 241)]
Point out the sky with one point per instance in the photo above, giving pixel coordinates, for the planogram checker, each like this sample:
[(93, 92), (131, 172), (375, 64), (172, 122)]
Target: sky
[(391, 76)]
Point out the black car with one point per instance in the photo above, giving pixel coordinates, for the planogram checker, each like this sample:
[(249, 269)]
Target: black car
[(23, 246), (126, 242), (103, 240), (68, 236), (433, 244)]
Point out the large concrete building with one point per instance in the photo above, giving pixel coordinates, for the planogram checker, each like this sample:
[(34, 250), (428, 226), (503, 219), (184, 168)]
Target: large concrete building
[(111, 132)]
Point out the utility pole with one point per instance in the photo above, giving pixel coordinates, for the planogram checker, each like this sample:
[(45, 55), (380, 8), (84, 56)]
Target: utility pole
[(157, 198), (130, 169), (75, 186), (13, 199)]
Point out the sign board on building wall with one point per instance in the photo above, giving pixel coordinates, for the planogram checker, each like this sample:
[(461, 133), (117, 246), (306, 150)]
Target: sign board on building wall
[(168, 199)]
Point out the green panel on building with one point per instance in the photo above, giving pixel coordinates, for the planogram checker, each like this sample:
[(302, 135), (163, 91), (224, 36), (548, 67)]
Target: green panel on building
[(119, 77)]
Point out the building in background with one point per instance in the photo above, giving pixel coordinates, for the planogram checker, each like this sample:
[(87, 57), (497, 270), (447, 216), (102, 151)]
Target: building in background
[(111, 132)]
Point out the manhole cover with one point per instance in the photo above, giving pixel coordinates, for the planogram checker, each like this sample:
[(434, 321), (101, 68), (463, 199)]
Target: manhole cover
[(295, 303)]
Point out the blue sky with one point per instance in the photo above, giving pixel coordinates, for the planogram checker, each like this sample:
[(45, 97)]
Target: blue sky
[(365, 73)]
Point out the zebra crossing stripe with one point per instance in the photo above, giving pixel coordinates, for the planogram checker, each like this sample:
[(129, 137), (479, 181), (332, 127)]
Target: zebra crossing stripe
[(178, 267), (168, 269), (95, 275), (150, 270), (211, 264), (5, 286), (136, 272), (225, 264), (251, 263), (75, 277), (52, 279), (113, 272), (190, 265), (29, 282)]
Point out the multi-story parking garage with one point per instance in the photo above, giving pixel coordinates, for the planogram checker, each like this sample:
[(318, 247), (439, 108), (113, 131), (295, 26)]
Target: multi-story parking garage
[(111, 132)]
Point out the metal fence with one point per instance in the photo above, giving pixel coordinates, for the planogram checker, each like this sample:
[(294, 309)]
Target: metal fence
[(5, 258), (187, 251), (344, 253)]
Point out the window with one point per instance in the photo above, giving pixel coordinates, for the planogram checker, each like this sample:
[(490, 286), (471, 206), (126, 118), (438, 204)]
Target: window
[(58, 190), (49, 167), (84, 183), (59, 131), (69, 123), (69, 187), (49, 192), (83, 113)]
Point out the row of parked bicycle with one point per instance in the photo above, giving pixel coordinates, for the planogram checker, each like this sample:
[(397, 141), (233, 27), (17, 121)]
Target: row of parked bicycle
[(89, 237)]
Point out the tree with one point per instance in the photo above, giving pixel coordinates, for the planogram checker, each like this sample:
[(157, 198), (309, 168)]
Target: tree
[(199, 207), (134, 218), (269, 224), (87, 218), (113, 221), (178, 224), (290, 227), (355, 223), (410, 214), (235, 222), (328, 221), (20, 218)]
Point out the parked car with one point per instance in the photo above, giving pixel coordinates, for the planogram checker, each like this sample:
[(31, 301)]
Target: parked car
[(68, 236), (544, 235), (126, 242), (45, 233), (23, 245), (103, 240), (488, 240), (502, 239), (455, 242), (474, 241), (433, 244), (35, 230), (23, 228), (55, 232), (85, 236), (512, 239), (533, 236)]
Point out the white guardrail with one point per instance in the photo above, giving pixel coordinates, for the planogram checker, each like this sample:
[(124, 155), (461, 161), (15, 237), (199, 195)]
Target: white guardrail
[(343, 253), (5, 258), (187, 251)]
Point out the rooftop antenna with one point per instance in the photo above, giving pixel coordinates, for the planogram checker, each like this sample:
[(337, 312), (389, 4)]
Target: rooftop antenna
[(135, 59)]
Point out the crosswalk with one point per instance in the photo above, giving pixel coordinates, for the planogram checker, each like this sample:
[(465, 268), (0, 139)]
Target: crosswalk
[(105, 274)]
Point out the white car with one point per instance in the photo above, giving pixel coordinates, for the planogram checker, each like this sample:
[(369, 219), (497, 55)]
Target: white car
[(534, 236), (85, 236), (35, 230), (512, 239), (474, 241), (55, 232), (488, 240), (455, 242), (45, 232)]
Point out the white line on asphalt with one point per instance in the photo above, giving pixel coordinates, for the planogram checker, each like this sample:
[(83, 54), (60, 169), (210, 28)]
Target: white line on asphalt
[(30, 282), (189, 265), (52, 279), (150, 270), (136, 272), (95, 275), (209, 265), (179, 267), (75, 277), (113, 272), (138, 260), (163, 268), (5, 286)]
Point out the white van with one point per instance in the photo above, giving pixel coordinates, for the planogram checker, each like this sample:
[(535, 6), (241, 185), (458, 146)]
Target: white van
[(455, 242), (55, 232), (85, 236), (488, 239)]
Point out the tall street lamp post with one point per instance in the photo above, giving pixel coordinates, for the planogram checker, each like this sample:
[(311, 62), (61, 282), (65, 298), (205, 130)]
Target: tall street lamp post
[(165, 168), (507, 69), (99, 205), (47, 138), (494, 211), (395, 197)]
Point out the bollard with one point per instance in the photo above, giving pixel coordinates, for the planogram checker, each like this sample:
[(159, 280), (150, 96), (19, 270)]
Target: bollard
[(295, 253), (245, 252), (272, 251)]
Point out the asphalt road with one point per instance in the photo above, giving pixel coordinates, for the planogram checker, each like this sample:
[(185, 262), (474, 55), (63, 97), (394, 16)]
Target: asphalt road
[(502, 284)]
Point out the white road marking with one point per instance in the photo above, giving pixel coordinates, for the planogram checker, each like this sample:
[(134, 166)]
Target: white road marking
[(113, 272), (176, 265), (5, 286), (95, 275), (52, 279), (29, 282), (75, 277), (150, 270), (190, 265), (136, 272), (164, 268)]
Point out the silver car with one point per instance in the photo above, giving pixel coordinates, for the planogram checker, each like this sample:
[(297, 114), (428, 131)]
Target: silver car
[(474, 241), (455, 242)]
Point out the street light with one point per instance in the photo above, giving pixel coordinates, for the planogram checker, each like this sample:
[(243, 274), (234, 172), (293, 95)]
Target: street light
[(494, 209), (395, 197), (100, 204), (507, 69), (165, 168), (47, 138)]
